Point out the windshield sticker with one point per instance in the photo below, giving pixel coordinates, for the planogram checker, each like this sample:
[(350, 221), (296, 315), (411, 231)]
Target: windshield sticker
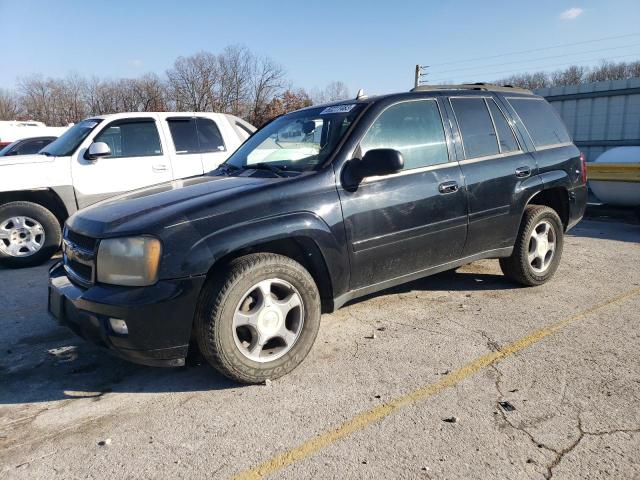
[(338, 109), (90, 124)]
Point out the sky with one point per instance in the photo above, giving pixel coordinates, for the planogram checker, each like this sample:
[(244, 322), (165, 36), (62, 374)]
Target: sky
[(372, 44)]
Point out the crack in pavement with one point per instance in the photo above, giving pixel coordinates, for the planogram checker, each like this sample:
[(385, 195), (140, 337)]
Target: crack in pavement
[(559, 454)]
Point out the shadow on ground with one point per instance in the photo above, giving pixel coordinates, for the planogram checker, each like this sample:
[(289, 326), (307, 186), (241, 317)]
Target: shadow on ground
[(607, 230), (85, 370)]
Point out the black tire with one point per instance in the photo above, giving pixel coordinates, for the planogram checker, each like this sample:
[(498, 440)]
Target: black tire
[(52, 233), (517, 266), (216, 307)]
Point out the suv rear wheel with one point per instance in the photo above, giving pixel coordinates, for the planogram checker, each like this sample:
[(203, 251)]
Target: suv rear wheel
[(258, 319), (536, 254), (29, 234)]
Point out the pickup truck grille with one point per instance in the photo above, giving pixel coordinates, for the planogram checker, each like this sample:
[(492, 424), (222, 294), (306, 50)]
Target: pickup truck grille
[(79, 257)]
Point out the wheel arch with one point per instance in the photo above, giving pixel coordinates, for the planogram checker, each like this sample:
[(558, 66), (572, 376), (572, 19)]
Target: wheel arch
[(46, 197), (303, 237), (556, 198)]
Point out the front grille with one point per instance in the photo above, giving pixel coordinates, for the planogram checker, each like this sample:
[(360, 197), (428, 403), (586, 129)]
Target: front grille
[(87, 243), (79, 257)]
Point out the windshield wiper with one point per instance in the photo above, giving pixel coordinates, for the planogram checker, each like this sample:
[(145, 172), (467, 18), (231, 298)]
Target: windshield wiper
[(46, 154), (265, 166), (225, 169)]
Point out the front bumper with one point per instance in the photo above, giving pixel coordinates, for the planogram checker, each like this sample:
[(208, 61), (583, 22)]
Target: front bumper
[(159, 317)]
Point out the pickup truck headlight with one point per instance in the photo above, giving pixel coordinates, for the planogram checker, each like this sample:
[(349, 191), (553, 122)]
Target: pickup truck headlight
[(131, 261)]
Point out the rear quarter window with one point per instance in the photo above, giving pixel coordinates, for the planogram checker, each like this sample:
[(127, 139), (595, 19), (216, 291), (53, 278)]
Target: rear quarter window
[(541, 121)]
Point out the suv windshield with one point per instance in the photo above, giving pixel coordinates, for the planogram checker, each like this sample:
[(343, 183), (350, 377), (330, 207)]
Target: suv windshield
[(67, 143), (298, 141)]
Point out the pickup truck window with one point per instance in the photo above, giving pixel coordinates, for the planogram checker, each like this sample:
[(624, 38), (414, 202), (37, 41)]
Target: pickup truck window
[(541, 120), (413, 128), (195, 135), (479, 138), (131, 138), (184, 134), (506, 138), (209, 136), (67, 143)]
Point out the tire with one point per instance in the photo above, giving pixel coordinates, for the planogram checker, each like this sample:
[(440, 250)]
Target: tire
[(237, 292), (35, 248), (519, 267)]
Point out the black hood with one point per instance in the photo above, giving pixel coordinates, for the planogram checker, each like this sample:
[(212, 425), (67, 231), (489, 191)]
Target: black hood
[(160, 205)]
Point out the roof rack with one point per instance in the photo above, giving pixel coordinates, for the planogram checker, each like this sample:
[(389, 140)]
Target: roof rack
[(472, 86)]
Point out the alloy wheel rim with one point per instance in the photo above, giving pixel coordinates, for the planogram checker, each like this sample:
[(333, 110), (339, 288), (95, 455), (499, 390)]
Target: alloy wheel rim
[(268, 320), (21, 236), (542, 246)]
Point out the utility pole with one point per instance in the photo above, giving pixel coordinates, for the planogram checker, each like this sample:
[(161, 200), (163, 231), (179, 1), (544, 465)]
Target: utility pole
[(419, 74)]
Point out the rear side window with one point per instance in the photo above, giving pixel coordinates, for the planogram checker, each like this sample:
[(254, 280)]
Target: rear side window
[(195, 135), (185, 135), (131, 138), (541, 120), (478, 135), (415, 129), (209, 136), (506, 138)]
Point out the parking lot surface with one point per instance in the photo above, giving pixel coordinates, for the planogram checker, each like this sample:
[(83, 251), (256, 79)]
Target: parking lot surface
[(459, 375)]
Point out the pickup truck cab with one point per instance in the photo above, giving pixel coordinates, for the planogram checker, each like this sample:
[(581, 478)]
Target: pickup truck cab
[(96, 159), (319, 207)]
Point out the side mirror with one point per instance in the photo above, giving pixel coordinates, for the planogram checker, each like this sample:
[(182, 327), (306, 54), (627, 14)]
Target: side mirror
[(380, 161), (97, 150)]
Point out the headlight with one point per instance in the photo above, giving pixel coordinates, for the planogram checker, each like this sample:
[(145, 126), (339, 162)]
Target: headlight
[(129, 261)]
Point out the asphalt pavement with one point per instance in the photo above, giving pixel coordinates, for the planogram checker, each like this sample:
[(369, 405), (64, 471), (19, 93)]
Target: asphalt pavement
[(459, 375)]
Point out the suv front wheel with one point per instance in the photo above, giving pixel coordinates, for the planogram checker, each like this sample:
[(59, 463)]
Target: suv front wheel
[(258, 319), (29, 234), (536, 254)]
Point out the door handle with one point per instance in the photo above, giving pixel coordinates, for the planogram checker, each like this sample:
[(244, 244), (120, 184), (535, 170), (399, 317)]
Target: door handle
[(523, 172), (160, 168), (448, 187)]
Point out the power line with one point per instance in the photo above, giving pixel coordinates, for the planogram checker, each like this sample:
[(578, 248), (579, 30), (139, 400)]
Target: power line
[(512, 72), (537, 49), (539, 58)]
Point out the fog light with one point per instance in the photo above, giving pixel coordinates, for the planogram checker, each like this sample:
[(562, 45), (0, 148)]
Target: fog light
[(119, 326)]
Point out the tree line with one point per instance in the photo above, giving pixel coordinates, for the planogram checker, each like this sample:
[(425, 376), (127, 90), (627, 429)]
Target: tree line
[(574, 75), (235, 81)]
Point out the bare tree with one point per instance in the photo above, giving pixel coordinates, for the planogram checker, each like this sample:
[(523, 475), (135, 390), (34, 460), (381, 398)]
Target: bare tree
[(267, 80), (574, 75), (36, 98), (9, 106), (569, 76), (611, 71), (333, 92), (527, 80), (236, 64), (192, 82)]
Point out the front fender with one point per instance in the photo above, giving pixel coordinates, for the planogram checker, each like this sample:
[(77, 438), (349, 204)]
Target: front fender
[(211, 247)]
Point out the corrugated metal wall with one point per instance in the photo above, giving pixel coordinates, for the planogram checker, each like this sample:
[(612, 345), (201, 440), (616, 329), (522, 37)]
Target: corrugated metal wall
[(599, 115)]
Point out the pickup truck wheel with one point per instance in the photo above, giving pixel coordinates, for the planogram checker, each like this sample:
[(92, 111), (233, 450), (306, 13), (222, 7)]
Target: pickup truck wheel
[(29, 234), (258, 319), (536, 254)]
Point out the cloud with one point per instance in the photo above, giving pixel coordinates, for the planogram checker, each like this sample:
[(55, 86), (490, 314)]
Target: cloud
[(571, 14), (135, 63)]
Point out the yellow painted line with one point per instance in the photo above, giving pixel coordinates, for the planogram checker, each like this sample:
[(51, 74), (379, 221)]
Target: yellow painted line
[(382, 411), (614, 172)]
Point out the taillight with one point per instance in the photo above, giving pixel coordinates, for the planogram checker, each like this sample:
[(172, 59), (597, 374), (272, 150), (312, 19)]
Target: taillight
[(583, 167)]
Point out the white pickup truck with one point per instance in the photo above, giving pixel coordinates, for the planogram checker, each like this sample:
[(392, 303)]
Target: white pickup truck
[(98, 158)]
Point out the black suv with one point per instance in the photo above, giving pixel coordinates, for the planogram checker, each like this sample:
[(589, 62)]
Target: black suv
[(320, 206)]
